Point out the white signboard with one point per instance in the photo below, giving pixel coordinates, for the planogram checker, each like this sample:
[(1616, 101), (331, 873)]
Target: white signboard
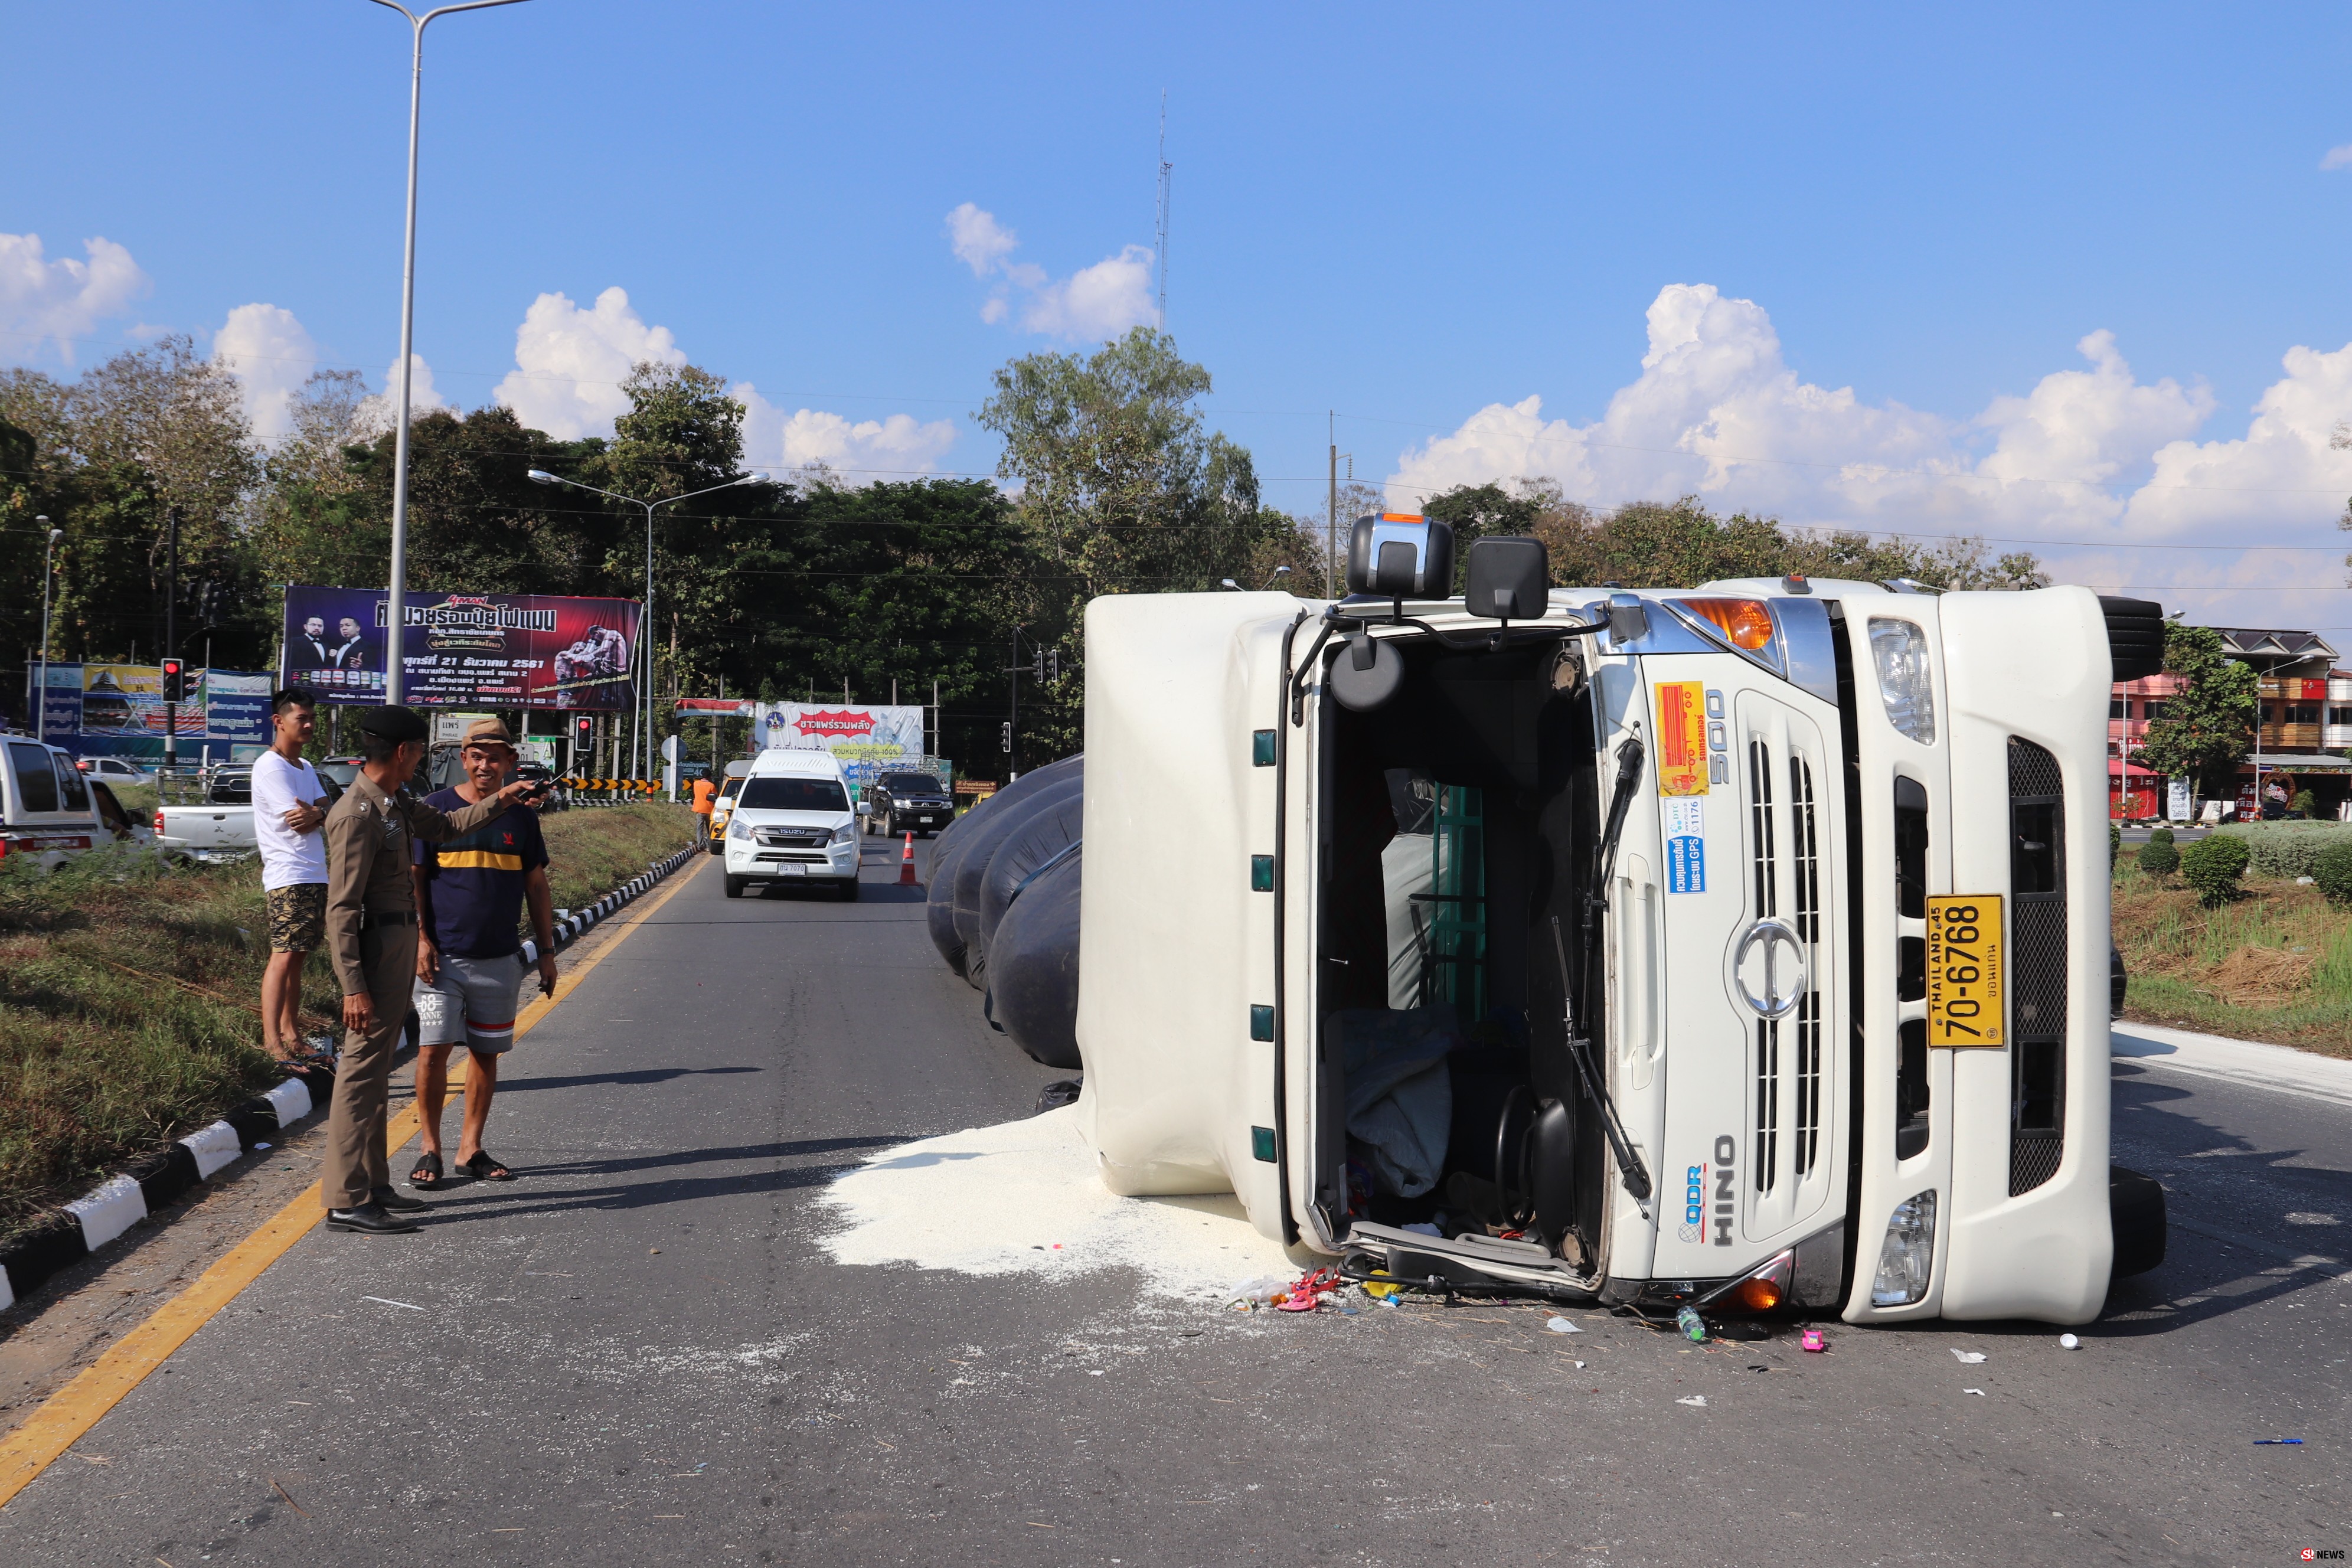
[(2177, 801), (852, 733)]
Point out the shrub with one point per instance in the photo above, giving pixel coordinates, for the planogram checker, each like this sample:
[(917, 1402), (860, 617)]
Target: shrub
[(2332, 872), (2212, 866), (2306, 804), (2157, 857), (2285, 849), (2161, 836)]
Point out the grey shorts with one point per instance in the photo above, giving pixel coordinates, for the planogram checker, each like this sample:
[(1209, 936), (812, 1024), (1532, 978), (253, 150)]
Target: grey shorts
[(473, 1003)]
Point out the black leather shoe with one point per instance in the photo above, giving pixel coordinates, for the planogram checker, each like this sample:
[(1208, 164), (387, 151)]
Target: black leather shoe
[(398, 1203), (370, 1219)]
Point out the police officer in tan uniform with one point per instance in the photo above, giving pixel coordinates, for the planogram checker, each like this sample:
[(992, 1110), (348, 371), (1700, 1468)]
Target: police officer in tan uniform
[(372, 937)]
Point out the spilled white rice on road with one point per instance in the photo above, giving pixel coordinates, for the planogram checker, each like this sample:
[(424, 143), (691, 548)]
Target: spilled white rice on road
[(1024, 1198)]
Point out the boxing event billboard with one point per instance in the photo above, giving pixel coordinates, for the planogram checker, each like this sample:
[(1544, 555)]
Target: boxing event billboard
[(465, 650)]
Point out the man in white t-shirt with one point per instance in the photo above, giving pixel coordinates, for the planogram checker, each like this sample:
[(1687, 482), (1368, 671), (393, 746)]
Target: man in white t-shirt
[(289, 804)]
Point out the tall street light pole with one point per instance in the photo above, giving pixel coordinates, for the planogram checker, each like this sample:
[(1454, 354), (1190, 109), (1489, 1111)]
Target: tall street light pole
[(48, 568), (645, 617), (396, 606)]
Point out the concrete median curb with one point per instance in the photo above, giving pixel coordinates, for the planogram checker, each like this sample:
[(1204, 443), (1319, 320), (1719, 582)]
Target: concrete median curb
[(66, 1235)]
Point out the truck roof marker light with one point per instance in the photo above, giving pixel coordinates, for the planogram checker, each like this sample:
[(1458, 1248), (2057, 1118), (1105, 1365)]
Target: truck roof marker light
[(1746, 624), (1405, 517)]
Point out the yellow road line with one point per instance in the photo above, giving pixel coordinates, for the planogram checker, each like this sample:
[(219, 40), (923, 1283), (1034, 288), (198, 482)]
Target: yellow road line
[(74, 1409)]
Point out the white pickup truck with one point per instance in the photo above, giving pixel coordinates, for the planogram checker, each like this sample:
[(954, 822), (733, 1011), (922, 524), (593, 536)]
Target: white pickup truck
[(208, 819), (49, 812), (1742, 946)]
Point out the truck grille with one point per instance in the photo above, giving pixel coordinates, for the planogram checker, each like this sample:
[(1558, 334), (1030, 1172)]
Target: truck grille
[(1802, 871), (779, 838), (1764, 1149), (1805, 878), (2037, 959)]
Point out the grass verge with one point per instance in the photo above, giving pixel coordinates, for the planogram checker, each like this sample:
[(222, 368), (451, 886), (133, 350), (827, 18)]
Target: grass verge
[(130, 996), (2276, 964)]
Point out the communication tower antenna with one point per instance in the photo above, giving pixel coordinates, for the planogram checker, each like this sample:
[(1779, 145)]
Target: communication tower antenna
[(1166, 169)]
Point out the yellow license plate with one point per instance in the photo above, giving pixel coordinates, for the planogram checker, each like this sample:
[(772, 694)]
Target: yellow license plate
[(1964, 960)]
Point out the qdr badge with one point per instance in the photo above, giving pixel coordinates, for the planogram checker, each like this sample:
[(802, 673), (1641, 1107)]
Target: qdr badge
[(1686, 845)]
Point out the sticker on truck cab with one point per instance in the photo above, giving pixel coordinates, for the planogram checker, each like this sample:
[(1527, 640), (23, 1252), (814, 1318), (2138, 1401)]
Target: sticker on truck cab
[(1964, 960), (1686, 845), (1682, 738)]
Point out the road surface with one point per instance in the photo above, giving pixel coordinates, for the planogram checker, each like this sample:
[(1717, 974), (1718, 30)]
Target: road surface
[(637, 1355)]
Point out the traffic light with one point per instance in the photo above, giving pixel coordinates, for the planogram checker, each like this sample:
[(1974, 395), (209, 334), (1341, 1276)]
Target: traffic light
[(1008, 737), (1037, 664), (583, 735), (175, 681)]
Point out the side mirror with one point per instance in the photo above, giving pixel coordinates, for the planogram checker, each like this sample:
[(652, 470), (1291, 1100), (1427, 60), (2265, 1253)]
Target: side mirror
[(1508, 579), (1628, 620), (1401, 557)]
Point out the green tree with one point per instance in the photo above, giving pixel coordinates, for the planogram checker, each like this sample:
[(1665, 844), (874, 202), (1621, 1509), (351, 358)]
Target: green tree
[(1125, 486), (2208, 727)]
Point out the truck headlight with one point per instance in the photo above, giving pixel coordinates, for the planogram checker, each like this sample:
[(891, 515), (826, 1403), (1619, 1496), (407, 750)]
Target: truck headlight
[(845, 834), (1899, 649), (1909, 1254), (738, 830)]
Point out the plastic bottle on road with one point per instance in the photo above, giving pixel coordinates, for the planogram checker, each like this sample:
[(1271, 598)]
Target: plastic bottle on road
[(1693, 1326)]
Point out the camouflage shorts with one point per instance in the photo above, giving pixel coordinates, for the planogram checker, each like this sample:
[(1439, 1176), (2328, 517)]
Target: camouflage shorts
[(298, 918)]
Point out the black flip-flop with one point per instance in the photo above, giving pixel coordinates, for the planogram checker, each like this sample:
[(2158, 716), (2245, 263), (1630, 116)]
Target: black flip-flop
[(485, 1166), (427, 1174)]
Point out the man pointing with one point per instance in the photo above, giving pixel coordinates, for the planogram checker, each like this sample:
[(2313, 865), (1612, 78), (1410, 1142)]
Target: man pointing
[(372, 937)]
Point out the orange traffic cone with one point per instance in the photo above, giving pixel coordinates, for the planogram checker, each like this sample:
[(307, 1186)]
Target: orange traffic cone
[(907, 864)]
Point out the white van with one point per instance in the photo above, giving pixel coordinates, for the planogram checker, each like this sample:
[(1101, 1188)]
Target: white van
[(791, 822), (1741, 946), (50, 811)]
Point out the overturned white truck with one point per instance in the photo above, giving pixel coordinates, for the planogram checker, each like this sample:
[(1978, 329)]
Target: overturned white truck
[(1742, 946)]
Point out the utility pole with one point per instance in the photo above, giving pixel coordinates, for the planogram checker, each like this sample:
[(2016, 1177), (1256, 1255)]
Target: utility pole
[(1167, 170), (171, 631), (48, 572), (1012, 719), (933, 749), (1331, 518)]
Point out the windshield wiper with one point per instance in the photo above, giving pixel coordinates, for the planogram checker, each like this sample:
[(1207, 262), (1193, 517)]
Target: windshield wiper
[(1629, 1169), (1605, 859)]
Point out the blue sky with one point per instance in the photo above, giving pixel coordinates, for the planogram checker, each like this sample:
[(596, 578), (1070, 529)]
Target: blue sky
[(1866, 254)]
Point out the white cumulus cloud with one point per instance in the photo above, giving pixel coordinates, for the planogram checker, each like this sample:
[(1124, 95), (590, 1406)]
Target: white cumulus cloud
[(2336, 157), (380, 410), (57, 301), (570, 363), (272, 354), (855, 452), (980, 241), (1091, 305), (2094, 461)]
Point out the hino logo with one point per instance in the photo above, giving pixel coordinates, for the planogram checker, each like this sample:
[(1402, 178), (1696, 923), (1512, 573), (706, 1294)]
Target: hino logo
[(1768, 967), (1696, 1216), (1727, 1155)]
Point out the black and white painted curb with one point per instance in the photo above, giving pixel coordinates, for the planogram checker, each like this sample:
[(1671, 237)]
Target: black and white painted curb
[(66, 1236)]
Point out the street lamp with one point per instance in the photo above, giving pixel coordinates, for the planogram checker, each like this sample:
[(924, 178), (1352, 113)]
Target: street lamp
[(645, 617), (41, 698), (399, 594)]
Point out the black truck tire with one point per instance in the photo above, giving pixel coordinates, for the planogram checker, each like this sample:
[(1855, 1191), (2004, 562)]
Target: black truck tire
[(2135, 1211)]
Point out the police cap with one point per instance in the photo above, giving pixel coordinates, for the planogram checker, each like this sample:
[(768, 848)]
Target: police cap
[(395, 724)]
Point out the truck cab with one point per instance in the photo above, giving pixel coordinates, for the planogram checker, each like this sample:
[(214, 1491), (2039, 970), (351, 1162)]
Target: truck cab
[(1740, 945)]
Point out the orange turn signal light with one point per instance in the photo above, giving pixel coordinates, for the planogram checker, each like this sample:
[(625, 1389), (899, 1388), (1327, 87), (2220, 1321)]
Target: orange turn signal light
[(1746, 623), (1758, 1295)]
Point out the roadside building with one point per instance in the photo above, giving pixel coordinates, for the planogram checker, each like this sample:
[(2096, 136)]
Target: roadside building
[(2305, 726)]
